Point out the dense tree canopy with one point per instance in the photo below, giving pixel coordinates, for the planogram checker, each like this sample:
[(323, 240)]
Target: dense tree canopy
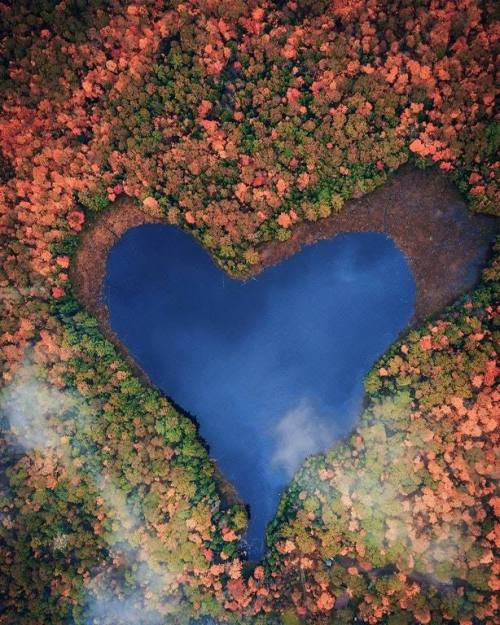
[(237, 120)]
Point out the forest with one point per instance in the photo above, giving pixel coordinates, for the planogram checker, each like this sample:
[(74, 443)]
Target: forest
[(236, 121)]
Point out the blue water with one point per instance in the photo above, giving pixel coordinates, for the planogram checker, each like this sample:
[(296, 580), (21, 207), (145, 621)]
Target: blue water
[(272, 368)]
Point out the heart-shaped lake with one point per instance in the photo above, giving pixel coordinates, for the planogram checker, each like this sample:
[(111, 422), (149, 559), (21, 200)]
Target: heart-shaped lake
[(272, 368)]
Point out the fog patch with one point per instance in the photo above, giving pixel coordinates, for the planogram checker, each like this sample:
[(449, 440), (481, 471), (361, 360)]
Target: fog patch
[(301, 432), (110, 610), (33, 409), (377, 502), (130, 587), (135, 589)]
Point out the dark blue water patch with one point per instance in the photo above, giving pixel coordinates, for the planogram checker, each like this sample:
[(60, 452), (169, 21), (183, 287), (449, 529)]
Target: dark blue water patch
[(272, 368)]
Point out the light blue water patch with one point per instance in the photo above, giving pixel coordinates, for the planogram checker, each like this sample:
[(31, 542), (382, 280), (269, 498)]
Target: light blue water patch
[(272, 368)]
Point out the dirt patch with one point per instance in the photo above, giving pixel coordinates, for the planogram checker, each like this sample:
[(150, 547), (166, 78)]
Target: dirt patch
[(446, 246)]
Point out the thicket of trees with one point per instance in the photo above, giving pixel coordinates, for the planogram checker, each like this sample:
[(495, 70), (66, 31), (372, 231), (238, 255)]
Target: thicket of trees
[(399, 524), (236, 120)]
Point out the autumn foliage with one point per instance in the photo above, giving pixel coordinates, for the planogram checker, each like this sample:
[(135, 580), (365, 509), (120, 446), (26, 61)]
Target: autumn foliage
[(238, 120), (401, 520)]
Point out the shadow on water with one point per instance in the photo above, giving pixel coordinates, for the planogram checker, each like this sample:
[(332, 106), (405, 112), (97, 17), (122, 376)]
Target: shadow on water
[(271, 367)]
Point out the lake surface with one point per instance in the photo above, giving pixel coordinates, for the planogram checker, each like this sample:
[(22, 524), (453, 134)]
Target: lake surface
[(272, 368)]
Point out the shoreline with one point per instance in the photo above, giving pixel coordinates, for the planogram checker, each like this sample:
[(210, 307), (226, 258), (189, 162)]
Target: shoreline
[(420, 210)]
